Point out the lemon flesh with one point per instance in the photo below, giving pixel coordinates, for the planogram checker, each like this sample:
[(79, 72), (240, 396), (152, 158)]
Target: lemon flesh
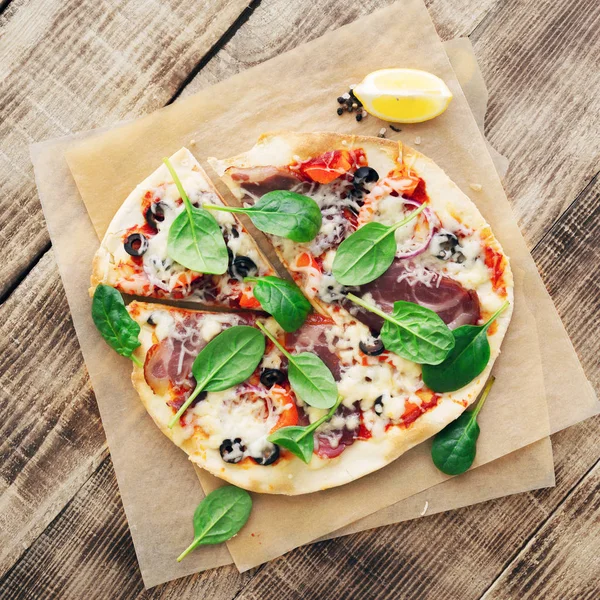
[(403, 95)]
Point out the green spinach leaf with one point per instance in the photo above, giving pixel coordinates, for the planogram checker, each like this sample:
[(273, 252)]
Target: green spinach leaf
[(309, 376), (300, 440), (225, 361), (195, 239), (282, 299), (467, 360), (219, 517), (368, 252), (413, 332), (453, 449), (114, 322), (282, 213)]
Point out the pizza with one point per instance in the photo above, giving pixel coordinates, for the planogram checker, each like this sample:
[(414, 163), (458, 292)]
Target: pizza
[(133, 254), (445, 258)]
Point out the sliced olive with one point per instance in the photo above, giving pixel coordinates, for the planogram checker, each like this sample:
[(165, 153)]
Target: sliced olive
[(372, 348), (365, 175), (242, 266), (232, 451), (269, 377), (235, 233), (378, 406), (447, 243), (155, 214), (136, 244), (150, 320), (268, 456)]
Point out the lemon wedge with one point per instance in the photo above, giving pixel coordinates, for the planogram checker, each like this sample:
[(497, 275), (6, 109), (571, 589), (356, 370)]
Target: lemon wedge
[(403, 95)]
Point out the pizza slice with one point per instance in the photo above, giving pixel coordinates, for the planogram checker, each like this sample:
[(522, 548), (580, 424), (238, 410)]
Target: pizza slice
[(133, 256), (386, 408), (447, 259)]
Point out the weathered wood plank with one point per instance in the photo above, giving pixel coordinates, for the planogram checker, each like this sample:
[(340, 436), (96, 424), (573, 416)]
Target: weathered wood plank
[(66, 559), (74, 65), (277, 26), (562, 560), (540, 62), (51, 438), (568, 258)]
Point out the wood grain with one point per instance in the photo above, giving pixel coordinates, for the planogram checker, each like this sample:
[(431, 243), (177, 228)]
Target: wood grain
[(51, 438), (277, 26), (562, 560), (72, 65), (540, 62)]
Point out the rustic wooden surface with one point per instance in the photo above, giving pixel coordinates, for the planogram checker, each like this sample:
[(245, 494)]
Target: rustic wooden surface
[(71, 65)]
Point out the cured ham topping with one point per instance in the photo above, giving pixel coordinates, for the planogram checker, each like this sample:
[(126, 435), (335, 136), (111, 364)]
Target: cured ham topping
[(453, 303), (333, 442), (168, 364), (257, 181), (311, 337)]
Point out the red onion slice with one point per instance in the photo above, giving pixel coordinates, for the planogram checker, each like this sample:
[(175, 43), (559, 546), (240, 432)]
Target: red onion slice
[(429, 217)]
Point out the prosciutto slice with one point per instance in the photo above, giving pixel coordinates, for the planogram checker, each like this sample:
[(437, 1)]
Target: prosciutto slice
[(260, 180), (169, 362), (311, 338), (452, 302)]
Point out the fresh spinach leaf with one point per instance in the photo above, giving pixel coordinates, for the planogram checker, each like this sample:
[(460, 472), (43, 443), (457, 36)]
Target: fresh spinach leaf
[(114, 322), (368, 252), (195, 239), (225, 361), (309, 376), (453, 449), (413, 332), (300, 440), (282, 213), (282, 299), (219, 517), (468, 358)]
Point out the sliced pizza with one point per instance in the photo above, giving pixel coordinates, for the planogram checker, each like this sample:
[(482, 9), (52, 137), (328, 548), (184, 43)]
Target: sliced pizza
[(385, 410), (133, 256)]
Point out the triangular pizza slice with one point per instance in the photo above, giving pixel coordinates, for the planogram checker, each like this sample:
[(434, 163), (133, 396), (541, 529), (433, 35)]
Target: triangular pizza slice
[(133, 256)]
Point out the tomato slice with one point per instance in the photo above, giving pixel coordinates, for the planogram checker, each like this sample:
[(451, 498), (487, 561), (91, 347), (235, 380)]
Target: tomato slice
[(247, 300), (289, 416), (306, 259), (327, 167)]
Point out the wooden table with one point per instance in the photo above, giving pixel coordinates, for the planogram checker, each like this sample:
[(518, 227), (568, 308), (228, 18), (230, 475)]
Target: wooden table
[(70, 65)]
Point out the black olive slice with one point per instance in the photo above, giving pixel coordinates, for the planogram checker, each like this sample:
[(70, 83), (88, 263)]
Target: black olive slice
[(268, 456), (242, 266), (365, 175), (448, 244), (155, 214), (269, 377), (232, 451), (372, 348), (378, 406), (136, 244)]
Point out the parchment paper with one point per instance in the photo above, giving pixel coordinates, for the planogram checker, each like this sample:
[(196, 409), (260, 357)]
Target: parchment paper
[(113, 163)]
